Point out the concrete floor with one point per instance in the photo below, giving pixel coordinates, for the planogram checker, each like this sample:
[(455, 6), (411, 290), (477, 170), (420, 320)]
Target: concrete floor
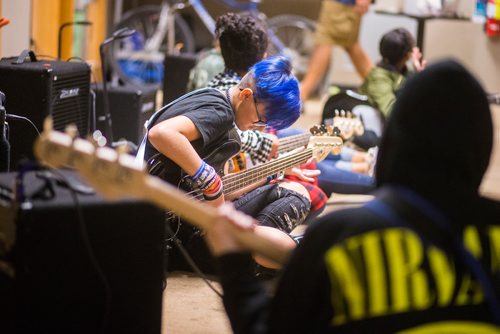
[(191, 307)]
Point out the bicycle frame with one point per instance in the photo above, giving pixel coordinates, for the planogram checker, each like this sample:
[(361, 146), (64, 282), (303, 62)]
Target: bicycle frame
[(207, 19), (143, 63), (250, 6), (166, 23)]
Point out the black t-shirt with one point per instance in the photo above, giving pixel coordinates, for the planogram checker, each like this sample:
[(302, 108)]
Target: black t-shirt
[(356, 272), (211, 113)]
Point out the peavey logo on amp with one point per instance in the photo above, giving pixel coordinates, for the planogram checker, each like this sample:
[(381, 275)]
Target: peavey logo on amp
[(67, 93)]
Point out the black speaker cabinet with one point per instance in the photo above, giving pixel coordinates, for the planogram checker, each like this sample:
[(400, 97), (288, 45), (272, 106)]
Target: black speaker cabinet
[(176, 76), (129, 107), (36, 89), (85, 266)]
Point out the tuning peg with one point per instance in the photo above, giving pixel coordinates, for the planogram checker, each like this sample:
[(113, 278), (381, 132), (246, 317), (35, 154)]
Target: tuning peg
[(98, 139), (48, 124), (336, 113), (72, 131), (123, 148), (336, 131), (329, 130), (314, 130), (342, 113)]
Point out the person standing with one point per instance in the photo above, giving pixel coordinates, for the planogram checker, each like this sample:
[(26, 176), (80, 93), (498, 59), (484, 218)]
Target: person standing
[(338, 25)]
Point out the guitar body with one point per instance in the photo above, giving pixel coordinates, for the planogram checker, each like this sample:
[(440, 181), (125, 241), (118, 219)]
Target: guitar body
[(164, 168), (352, 102), (190, 236)]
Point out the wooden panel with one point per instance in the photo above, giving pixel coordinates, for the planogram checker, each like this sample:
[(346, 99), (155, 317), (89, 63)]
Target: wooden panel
[(0, 29), (97, 14), (48, 16)]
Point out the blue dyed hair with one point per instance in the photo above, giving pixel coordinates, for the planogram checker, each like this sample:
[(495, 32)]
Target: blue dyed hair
[(277, 87)]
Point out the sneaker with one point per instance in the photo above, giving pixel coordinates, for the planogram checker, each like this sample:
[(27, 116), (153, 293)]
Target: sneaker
[(371, 159)]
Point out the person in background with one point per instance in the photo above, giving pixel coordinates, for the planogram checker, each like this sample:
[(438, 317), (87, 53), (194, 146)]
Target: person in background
[(422, 256), (209, 63), (243, 41), (400, 58), (338, 25)]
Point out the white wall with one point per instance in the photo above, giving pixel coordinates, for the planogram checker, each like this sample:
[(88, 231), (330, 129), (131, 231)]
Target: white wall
[(463, 40), (16, 35)]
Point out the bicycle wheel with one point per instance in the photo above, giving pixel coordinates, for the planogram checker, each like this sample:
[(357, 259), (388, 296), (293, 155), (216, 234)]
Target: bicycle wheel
[(129, 58), (292, 36)]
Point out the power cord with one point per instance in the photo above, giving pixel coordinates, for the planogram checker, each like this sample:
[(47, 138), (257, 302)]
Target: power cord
[(178, 243), (86, 243), (22, 118), (90, 252)]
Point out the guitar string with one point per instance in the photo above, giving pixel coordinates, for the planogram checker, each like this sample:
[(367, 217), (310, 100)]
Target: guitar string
[(250, 176), (255, 177), (271, 164)]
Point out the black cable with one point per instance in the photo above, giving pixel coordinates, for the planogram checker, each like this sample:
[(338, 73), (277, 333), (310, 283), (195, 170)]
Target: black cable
[(93, 117), (22, 118), (90, 252), (80, 59), (178, 243), (61, 28)]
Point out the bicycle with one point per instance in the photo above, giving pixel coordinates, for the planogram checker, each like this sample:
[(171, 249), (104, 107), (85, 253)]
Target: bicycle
[(139, 58)]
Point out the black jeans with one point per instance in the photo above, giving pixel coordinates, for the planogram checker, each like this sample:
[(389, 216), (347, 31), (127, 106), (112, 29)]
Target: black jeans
[(275, 206)]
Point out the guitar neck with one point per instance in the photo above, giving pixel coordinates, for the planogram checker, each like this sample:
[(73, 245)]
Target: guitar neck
[(203, 216), (117, 176), (234, 182), (287, 144)]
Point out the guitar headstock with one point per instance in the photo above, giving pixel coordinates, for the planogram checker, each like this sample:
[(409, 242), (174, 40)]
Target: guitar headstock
[(109, 172), (324, 140), (349, 124)]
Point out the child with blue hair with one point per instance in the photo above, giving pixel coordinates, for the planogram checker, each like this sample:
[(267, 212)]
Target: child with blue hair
[(192, 127)]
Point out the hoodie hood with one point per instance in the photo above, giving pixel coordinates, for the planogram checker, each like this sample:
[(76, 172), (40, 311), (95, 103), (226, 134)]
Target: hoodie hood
[(439, 137)]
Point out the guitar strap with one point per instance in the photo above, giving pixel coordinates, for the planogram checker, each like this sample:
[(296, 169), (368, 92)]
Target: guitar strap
[(139, 157)]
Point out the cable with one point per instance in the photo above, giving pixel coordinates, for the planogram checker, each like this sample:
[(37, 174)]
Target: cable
[(178, 243), (22, 118), (90, 252)]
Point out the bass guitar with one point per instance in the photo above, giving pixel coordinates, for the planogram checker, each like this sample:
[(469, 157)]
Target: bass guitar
[(116, 175), (321, 143)]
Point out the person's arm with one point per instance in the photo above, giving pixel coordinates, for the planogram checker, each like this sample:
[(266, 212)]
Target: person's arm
[(361, 6), (245, 298), (260, 146), (302, 296), (173, 138), (418, 63), (380, 90)]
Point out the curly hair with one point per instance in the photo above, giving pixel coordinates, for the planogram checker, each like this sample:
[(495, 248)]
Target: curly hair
[(243, 40), (395, 45)]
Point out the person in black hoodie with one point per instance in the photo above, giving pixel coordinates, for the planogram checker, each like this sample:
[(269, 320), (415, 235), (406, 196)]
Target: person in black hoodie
[(423, 255)]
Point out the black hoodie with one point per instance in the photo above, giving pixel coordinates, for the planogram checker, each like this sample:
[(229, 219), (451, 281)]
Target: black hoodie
[(439, 139)]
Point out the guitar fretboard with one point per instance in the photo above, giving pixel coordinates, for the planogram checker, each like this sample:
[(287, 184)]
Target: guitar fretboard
[(287, 144), (237, 181)]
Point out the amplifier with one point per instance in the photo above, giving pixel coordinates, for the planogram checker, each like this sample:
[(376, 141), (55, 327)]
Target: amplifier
[(36, 89), (129, 107), (176, 77), (84, 265)]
